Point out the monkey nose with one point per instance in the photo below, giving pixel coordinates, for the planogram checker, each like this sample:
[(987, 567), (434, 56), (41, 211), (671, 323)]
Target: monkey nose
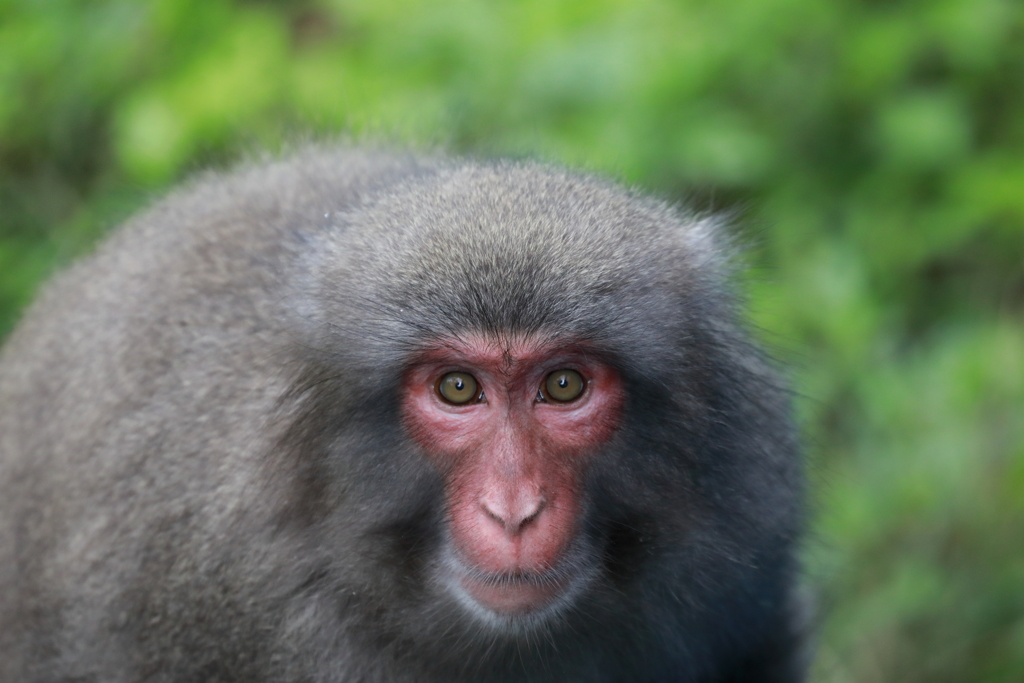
[(512, 513)]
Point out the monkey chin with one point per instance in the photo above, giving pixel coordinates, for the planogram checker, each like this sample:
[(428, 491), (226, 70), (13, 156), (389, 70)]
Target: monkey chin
[(518, 600)]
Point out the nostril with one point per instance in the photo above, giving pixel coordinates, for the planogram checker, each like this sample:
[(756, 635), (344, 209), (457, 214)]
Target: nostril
[(529, 518), (493, 515)]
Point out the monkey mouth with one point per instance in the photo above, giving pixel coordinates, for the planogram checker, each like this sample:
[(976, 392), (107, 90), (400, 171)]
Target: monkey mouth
[(517, 594), (514, 593)]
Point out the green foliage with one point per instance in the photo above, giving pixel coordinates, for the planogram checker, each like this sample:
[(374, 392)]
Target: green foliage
[(876, 151)]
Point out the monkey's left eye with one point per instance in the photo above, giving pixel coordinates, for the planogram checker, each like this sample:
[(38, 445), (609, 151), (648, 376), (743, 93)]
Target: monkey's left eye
[(564, 385), (457, 387)]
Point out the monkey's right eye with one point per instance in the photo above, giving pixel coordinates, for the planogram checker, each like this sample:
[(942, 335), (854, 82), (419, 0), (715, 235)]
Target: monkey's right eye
[(457, 388)]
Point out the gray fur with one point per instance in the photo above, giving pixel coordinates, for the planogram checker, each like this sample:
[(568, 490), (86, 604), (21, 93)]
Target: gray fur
[(203, 476)]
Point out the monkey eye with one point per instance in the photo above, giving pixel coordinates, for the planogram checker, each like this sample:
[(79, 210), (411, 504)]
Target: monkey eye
[(564, 385), (457, 388)]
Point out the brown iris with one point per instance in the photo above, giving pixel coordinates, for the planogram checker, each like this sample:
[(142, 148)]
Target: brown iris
[(457, 387), (564, 385)]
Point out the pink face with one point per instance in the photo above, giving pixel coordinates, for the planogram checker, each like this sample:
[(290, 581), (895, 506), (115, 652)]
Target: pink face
[(513, 451)]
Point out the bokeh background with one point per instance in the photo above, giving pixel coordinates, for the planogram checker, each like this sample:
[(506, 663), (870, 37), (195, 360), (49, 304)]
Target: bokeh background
[(871, 152)]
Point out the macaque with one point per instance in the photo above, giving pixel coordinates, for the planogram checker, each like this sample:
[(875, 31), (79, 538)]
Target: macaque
[(360, 415)]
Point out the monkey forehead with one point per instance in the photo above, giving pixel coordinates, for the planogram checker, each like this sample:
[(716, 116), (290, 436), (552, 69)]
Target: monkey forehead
[(505, 354), (501, 350)]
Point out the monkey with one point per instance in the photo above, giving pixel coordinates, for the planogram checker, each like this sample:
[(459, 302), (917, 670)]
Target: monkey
[(358, 414)]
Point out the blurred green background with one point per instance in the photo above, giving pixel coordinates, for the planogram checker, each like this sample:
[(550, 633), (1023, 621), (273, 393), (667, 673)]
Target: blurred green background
[(872, 151)]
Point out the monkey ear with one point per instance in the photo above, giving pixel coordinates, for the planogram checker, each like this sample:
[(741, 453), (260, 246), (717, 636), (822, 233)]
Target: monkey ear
[(708, 242)]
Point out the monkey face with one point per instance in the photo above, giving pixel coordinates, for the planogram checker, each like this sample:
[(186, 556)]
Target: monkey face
[(512, 425)]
